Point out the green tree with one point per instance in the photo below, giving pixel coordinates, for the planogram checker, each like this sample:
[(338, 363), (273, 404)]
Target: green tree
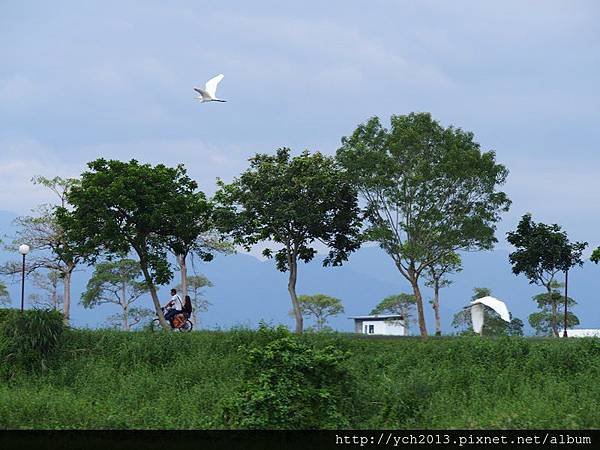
[(51, 248), (493, 324), (320, 307), (117, 282), (551, 314), (437, 278), (195, 235), (542, 251), (195, 286), (595, 258), (292, 202), (429, 191), (402, 304), (127, 206)]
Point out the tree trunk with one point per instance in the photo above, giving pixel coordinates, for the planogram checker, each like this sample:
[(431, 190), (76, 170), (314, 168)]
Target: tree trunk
[(553, 320), (125, 306), (181, 261), (293, 267), (67, 295), (414, 281), (153, 294), (436, 307)]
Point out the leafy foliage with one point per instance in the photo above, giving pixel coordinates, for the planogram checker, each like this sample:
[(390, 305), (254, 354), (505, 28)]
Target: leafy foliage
[(320, 307), (29, 340), (290, 384), (429, 191), (117, 282), (403, 304), (551, 314), (542, 251), (292, 202), (104, 379), (52, 248), (124, 206)]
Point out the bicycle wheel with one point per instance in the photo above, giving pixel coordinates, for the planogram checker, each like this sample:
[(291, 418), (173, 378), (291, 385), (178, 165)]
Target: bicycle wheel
[(187, 326)]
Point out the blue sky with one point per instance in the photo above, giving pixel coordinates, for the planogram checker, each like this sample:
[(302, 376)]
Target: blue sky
[(81, 80)]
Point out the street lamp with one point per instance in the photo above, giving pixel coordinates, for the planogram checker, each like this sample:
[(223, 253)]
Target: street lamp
[(23, 250)]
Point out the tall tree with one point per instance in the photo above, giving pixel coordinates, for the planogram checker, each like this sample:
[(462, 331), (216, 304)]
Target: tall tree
[(48, 283), (117, 282), (195, 235), (493, 324), (403, 304), (429, 191), (551, 314), (320, 307), (195, 286), (51, 248), (541, 252), (125, 206), (292, 202), (437, 278)]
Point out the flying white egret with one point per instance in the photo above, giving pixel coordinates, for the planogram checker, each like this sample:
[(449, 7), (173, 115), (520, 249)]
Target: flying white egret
[(209, 93), (477, 311)]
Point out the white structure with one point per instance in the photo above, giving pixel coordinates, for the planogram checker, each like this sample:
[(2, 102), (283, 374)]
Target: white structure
[(583, 332), (388, 324), (477, 311)]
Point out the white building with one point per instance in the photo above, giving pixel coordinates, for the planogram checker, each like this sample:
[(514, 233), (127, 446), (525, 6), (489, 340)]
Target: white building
[(582, 332), (388, 324)]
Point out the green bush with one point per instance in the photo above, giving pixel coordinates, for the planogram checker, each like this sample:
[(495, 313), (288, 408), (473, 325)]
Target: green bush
[(29, 340), (290, 384)]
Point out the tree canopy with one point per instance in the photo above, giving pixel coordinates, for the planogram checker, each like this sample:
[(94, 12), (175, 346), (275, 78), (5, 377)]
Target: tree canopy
[(542, 251), (124, 206), (320, 307), (429, 191), (117, 282), (292, 203)]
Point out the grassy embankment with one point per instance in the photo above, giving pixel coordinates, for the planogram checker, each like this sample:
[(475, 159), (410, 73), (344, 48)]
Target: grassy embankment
[(111, 379)]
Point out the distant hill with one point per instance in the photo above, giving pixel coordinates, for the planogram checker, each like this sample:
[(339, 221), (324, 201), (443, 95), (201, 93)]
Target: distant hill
[(247, 290)]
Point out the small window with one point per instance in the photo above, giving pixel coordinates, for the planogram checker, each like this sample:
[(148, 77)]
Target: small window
[(371, 329)]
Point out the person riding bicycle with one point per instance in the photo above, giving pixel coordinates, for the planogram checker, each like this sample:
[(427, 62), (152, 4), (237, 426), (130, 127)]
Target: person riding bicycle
[(187, 307), (174, 306)]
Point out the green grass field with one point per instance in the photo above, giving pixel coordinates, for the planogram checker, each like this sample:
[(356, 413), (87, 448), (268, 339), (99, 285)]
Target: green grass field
[(140, 380)]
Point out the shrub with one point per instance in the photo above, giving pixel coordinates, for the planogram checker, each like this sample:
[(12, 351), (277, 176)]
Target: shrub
[(29, 340), (291, 384)]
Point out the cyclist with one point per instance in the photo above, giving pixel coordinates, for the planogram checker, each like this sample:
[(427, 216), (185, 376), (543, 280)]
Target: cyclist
[(174, 306)]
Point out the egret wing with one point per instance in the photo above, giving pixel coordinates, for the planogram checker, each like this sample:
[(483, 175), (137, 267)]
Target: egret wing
[(497, 305), (211, 85)]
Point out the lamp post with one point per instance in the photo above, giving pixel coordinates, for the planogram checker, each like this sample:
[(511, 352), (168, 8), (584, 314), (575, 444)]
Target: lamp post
[(566, 301), (23, 250)]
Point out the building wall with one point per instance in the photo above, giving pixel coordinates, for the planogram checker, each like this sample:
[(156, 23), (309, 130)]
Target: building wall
[(590, 332), (384, 327)]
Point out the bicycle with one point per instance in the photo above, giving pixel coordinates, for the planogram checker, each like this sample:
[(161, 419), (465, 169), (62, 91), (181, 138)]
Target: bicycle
[(179, 323)]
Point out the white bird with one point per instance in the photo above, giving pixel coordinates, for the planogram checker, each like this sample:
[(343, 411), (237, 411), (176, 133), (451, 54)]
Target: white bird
[(209, 93), (477, 307)]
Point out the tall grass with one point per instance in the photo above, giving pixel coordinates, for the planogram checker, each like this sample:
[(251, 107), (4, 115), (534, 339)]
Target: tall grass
[(112, 379)]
